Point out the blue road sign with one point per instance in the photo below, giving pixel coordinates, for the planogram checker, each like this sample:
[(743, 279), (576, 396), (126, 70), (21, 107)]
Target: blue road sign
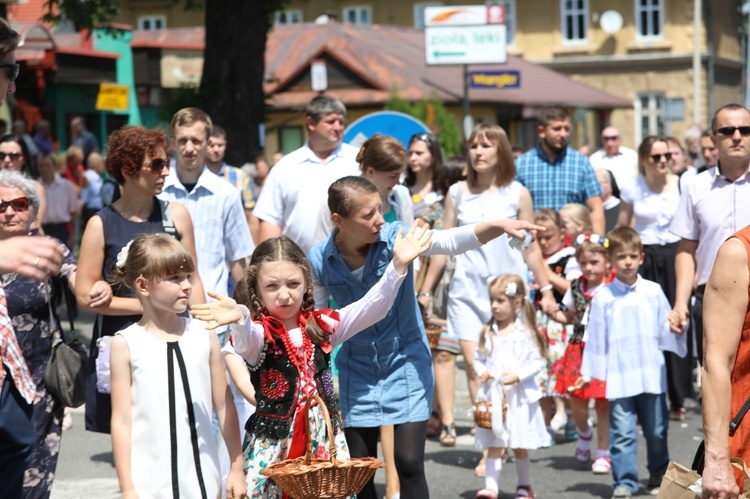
[(399, 125)]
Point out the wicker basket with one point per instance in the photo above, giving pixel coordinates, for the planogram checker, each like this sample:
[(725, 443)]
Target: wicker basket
[(483, 414), (306, 477), (433, 331)]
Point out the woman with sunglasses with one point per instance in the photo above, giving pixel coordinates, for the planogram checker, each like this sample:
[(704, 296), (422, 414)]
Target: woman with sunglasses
[(138, 159), (650, 203), (14, 156), (423, 170), (31, 306)]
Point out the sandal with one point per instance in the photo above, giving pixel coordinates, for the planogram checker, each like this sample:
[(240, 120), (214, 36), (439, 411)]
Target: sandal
[(524, 492), (487, 494), (448, 435), (433, 425)]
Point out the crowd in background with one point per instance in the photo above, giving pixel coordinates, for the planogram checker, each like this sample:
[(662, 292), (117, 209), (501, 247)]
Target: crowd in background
[(625, 241)]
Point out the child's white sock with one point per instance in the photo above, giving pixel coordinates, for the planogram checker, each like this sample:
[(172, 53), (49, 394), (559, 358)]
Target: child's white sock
[(584, 439), (492, 474), (602, 453), (523, 468)]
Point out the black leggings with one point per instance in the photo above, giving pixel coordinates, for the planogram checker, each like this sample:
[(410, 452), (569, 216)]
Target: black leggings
[(409, 441)]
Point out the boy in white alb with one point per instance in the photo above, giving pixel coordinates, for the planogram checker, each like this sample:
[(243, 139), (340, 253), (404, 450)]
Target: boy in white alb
[(628, 330)]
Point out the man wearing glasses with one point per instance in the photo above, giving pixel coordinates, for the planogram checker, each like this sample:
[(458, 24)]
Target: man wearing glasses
[(621, 161), (33, 257), (714, 205), (294, 198)]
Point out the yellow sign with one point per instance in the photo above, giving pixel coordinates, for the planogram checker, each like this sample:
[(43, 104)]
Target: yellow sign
[(112, 97)]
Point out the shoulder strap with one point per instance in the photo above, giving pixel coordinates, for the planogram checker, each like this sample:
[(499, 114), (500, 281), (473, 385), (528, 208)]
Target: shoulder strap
[(166, 219)]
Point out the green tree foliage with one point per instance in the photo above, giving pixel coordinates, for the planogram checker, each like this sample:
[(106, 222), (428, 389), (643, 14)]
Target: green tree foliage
[(444, 124)]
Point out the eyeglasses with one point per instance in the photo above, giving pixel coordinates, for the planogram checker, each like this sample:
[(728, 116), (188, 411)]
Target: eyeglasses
[(158, 164), (14, 70), (424, 137), (14, 156), (605, 139), (728, 131), (657, 157), (18, 204)]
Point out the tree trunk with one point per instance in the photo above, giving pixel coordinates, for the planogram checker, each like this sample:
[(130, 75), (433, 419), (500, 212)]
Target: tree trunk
[(233, 70)]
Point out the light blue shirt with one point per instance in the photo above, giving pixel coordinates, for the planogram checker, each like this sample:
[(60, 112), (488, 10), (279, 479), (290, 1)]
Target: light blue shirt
[(628, 330), (221, 231)]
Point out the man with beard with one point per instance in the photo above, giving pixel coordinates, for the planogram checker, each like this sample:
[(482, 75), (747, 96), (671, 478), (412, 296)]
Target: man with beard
[(557, 175)]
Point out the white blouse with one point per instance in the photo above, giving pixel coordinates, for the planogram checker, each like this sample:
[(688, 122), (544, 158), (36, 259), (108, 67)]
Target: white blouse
[(652, 211)]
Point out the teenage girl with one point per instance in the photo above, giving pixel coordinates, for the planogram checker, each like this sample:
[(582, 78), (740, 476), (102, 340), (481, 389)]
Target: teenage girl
[(287, 346), (593, 259), (162, 438), (561, 269), (382, 160), (511, 352)]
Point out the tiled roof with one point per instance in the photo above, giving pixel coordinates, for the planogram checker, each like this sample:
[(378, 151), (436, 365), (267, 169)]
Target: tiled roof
[(386, 58)]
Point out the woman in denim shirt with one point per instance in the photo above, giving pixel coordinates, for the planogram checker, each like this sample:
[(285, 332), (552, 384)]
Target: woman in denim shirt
[(386, 370)]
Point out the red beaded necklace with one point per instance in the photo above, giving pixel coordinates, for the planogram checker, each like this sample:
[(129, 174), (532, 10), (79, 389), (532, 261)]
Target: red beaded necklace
[(298, 360)]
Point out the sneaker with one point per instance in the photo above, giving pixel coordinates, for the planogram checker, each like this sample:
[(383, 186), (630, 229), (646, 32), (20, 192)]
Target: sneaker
[(524, 492), (583, 455), (602, 466), (621, 492), (654, 482)]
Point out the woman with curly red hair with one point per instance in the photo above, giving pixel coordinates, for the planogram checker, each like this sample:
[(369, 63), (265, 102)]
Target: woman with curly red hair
[(138, 159)]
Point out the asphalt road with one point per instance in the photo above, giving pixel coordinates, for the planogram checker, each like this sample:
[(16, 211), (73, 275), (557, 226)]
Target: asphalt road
[(85, 467)]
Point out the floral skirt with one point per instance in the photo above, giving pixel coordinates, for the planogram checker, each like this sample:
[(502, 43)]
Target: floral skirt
[(259, 453), (570, 370), (557, 340)]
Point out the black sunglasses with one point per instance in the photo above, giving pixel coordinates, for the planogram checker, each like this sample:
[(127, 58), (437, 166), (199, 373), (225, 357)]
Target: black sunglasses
[(158, 164), (424, 137), (729, 130), (18, 204), (14, 156), (657, 157), (14, 70)]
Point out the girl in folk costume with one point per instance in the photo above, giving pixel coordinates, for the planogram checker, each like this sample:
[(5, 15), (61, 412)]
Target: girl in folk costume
[(511, 352), (561, 269), (287, 346), (591, 253), (167, 375)]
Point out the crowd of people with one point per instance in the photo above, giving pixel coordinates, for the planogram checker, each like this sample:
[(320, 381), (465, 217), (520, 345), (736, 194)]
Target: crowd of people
[(565, 281)]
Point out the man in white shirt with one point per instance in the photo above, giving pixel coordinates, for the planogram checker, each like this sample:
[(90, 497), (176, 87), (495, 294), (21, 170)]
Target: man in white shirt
[(294, 200), (621, 161), (714, 205), (222, 237)]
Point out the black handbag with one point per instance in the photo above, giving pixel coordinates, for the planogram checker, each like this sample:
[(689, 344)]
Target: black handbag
[(699, 460), (66, 371)]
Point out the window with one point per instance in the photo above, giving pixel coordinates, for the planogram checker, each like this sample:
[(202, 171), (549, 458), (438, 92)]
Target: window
[(649, 116), (148, 23), (649, 18), (419, 12), (293, 16), (358, 15), (575, 21)]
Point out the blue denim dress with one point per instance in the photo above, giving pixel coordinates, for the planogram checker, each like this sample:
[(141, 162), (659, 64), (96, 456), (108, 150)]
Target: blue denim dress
[(385, 371)]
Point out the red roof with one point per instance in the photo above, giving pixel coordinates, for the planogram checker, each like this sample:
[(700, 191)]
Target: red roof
[(383, 58), (29, 12)]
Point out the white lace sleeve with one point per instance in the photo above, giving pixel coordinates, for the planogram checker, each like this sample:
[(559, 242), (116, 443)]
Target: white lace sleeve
[(247, 338)]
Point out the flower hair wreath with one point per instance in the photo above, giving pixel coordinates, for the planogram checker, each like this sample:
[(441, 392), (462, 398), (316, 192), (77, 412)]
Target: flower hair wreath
[(593, 238)]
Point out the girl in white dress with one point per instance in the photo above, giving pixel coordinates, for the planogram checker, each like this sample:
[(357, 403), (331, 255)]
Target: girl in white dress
[(167, 375), (511, 351)]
